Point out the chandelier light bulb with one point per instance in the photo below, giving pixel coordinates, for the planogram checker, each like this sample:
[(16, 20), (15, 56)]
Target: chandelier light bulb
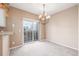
[(48, 17), (40, 16)]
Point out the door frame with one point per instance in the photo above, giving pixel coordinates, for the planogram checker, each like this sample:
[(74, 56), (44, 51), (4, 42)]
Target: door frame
[(32, 20)]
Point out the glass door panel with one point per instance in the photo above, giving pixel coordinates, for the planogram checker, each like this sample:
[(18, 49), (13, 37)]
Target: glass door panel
[(30, 31)]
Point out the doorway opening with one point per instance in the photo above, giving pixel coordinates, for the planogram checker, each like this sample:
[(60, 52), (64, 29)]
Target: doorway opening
[(30, 30)]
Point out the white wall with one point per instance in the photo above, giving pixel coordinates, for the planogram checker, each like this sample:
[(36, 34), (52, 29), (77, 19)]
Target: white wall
[(63, 28)]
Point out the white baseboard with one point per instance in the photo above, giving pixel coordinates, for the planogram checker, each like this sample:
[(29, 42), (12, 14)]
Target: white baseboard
[(16, 47), (64, 45), (47, 41), (21, 45)]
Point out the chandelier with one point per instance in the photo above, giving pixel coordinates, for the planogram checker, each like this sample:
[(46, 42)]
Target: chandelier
[(44, 16)]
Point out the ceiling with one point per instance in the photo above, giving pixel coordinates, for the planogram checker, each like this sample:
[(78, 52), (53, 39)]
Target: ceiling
[(37, 8)]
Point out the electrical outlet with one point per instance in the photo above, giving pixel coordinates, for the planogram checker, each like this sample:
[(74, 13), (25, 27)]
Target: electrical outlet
[(13, 25)]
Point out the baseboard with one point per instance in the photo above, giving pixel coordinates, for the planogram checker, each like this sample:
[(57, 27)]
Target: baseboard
[(47, 41), (64, 46), (42, 40), (16, 47)]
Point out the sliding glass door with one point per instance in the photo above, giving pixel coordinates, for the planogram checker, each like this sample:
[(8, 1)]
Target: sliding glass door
[(30, 31)]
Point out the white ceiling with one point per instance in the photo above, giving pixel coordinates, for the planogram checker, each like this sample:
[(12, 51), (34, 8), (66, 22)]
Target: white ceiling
[(37, 8)]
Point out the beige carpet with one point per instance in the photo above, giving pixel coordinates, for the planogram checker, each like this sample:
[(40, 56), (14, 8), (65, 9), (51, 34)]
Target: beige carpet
[(38, 48)]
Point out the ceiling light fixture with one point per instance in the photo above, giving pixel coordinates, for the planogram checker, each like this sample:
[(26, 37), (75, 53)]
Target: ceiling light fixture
[(44, 17)]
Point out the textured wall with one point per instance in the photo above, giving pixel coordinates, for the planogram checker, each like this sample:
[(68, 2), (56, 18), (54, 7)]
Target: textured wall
[(63, 28), (16, 17)]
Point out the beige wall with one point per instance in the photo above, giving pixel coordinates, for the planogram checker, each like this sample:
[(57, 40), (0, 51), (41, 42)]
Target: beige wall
[(0, 45), (63, 28), (42, 32), (78, 28), (16, 17)]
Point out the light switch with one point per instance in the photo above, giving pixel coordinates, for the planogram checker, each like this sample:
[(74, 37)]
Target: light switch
[(19, 30), (13, 25)]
